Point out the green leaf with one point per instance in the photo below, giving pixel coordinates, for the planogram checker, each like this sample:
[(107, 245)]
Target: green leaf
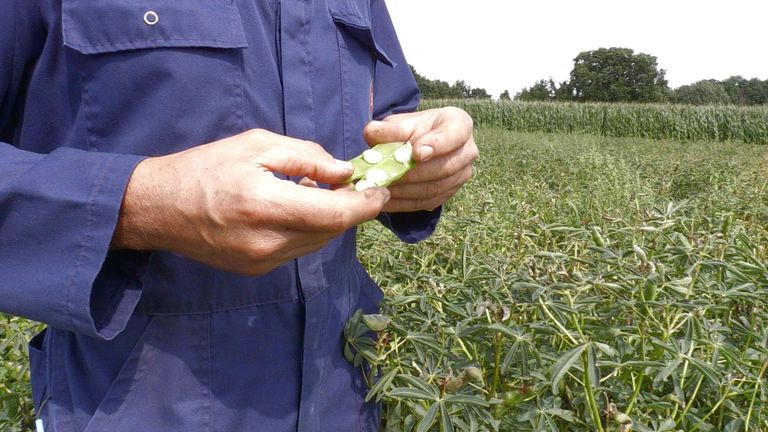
[(666, 425), (429, 418), (377, 390), (564, 364), (502, 329), (445, 419), (348, 354), (411, 393), (466, 399), (420, 384)]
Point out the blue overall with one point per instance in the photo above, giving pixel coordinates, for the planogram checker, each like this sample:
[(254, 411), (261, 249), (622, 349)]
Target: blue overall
[(153, 341)]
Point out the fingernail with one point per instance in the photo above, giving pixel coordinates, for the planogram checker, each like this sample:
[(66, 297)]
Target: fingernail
[(424, 153), (347, 166)]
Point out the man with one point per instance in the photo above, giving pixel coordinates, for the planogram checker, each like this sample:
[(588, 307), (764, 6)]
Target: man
[(191, 286)]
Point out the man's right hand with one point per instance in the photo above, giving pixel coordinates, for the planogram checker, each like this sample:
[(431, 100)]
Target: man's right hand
[(220, 203)]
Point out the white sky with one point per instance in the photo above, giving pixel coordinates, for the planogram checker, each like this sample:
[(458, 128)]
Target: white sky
[(510, 44)]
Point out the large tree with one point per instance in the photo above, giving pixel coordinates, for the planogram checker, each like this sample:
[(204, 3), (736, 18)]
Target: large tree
[(617, 75)]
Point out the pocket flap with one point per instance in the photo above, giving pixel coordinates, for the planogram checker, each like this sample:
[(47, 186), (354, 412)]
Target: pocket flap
[(356, 20), (98, 26)]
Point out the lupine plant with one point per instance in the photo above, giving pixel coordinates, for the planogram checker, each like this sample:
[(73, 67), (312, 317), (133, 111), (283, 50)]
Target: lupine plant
[(579, 284)]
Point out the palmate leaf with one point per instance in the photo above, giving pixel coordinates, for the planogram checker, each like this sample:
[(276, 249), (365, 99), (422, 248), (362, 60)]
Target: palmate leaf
[(564, 364), (666, 371)]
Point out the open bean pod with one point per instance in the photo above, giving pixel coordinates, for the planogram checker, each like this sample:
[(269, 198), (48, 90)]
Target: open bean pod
[(381, 165)]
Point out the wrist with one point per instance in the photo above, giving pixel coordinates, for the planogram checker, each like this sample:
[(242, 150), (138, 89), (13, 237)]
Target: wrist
[(142, 215)]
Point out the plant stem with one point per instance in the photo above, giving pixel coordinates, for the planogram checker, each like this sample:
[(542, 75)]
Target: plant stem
[(689, 401), (712, 411), (754, 395), (635, 393), (496, 367), (594, 411), (557, 323)]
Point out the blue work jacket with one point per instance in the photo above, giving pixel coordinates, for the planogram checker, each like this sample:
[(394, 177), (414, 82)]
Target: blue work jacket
[(153, 341)]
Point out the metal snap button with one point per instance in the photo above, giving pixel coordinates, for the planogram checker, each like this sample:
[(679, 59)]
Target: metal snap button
[(151, 18)]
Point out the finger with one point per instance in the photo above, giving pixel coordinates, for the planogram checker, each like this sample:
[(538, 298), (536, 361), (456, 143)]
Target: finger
[(399, 205), (295, 157), (398, 127), (321, 210), (295, 243), (451, 129), (442, 167), (429, 189), (308, 182), (292, 250)]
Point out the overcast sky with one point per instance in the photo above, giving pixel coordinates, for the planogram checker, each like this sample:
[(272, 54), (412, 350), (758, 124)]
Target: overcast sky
[(510, 44)]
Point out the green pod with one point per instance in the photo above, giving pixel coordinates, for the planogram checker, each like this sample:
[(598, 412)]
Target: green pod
[(454, 384), (381, 165), (474, 374), (376, 322)]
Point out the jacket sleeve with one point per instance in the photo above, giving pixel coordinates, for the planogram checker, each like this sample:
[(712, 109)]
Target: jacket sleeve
[(57, 210), (395, 91)]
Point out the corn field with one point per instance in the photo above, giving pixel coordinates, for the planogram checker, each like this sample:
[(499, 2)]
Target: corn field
[(670, 122)]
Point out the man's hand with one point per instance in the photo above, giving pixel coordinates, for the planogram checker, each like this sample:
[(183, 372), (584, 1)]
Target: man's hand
[(220, 203), (444, 150)]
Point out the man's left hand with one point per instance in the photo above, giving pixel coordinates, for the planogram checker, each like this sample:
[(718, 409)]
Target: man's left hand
[(443, 148)]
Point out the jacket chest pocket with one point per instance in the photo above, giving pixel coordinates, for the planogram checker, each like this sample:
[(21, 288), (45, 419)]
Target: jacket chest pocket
[(359, 56), (157, 76)]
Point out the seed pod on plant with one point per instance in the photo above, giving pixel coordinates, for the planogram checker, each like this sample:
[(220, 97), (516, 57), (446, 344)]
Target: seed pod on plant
[(640, 253), (473, 374), (454, 384), (597, 237), (376, 322), (621, 418)]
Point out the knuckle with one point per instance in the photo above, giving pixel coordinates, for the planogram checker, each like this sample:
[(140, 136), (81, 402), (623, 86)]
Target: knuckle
[(337, 220), (257, 134), (474, 152), (467, 174), (434, 188), (258, 252)]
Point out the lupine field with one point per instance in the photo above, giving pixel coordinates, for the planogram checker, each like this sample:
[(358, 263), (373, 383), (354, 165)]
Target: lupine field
[(582, 281)]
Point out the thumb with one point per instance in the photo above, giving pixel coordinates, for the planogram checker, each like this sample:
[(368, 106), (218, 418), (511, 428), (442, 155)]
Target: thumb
[(377, 132), (403, 127)]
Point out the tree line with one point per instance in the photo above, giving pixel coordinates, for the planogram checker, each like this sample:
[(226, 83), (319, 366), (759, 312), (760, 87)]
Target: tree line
[(437, 89), (614, 75)]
